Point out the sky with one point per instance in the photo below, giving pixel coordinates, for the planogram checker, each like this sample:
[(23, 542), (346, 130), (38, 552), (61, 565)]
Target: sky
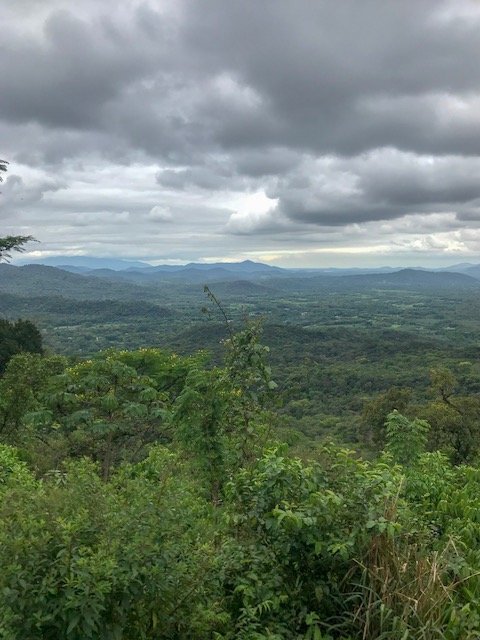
[(302, 133)]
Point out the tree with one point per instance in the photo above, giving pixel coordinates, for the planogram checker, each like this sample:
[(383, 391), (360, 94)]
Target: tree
[(3, 167), (373, 421), (406, 439), (23, 385), (101, 408), (454, 418), (10, 243), (18, 337)]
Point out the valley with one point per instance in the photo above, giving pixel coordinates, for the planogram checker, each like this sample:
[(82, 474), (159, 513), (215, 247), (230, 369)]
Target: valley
[(336, 341)]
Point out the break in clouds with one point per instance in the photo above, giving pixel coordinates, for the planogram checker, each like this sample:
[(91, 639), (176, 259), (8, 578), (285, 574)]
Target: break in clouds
[(305, 133)]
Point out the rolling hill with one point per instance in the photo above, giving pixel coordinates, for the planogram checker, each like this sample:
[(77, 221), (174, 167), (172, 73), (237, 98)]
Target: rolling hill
[(39, 280)]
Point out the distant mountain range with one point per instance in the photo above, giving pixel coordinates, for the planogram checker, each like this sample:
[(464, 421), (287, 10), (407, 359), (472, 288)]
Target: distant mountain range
[(416, 278), (229, 279), (80, 264), (143, 272), (85, 263)]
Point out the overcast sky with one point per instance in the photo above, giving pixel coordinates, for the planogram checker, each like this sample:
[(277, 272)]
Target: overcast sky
[(296, 132)]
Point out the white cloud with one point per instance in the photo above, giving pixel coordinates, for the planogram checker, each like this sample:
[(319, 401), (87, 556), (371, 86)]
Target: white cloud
[(160, 214)]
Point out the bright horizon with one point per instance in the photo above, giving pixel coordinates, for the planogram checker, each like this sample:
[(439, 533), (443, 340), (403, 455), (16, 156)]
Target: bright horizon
[(72, 260)]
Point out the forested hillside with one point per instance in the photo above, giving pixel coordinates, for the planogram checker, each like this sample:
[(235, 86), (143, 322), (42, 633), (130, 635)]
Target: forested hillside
[(336, 344), (32, 279), (199, 486)]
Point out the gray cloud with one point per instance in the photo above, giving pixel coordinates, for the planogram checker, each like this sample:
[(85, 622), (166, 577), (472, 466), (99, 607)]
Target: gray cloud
[(379, 185), (67, 77), (246, 126), (16, 195), (332, 77)]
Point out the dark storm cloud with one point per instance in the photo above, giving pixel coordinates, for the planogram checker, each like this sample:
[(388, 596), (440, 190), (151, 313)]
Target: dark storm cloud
[(381, 185), (210, 177), (265, 162), (246, 170), (340, 112), (66, 78), (333, 77)]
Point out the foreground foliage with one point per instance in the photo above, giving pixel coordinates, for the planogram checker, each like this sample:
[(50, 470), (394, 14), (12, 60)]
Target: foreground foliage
[(17, 337), (145, 495)]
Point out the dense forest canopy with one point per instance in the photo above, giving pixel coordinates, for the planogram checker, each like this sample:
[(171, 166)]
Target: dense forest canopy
[(149, 494), (16, 337)]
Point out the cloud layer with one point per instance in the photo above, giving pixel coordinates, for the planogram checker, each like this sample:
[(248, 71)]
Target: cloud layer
[(299, 132)]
